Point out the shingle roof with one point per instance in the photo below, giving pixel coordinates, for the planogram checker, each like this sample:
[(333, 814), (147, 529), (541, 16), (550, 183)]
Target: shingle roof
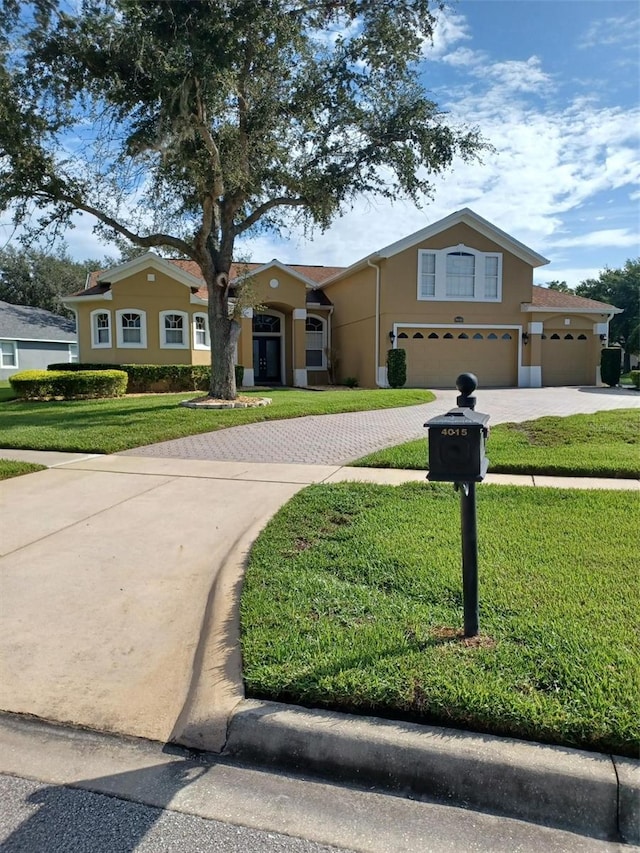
[(36, 324), (544, 297), (316, 273)]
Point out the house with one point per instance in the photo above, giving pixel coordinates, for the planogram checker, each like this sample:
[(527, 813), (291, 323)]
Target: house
[(32, 338), (457, 295)]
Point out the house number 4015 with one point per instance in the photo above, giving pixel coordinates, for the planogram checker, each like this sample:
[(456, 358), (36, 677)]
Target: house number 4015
[(454, 431)]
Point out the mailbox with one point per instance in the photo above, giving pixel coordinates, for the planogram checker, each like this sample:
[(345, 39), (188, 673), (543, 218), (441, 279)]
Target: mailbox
[(457, 446)]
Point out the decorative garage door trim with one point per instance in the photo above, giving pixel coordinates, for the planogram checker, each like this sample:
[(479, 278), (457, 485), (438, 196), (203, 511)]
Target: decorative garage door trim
[(506, 371)]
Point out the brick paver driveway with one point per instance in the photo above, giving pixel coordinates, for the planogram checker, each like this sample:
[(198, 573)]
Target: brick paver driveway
[(340, 439)]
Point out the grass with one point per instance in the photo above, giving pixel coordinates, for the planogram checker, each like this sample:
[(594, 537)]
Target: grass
[(604, 444), (10, 468), (352, 600), (108, 426)]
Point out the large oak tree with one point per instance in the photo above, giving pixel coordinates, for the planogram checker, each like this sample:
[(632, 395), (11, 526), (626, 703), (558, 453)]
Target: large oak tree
[(181, 125)]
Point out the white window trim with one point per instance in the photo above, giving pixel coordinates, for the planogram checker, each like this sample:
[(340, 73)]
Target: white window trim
[(323, 320), (74, 356), (441, 275), (207, 334), (94, 331), (143, 328), (185, 330), (14, 346)]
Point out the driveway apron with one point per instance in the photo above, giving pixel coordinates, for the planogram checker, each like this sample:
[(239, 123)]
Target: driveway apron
[(340, 439)]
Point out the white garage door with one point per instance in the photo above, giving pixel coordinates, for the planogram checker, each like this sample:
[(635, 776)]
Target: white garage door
[(435, 357)]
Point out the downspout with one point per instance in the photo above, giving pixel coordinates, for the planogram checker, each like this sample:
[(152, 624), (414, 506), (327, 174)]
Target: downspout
[(377, 335), (330, 341)]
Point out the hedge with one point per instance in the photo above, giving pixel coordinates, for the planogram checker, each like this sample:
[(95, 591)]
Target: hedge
[(610, 363), (396, 367), (156, 378), (82, 384)]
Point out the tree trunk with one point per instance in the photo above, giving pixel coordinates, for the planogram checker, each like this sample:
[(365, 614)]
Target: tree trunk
[(224, 337)]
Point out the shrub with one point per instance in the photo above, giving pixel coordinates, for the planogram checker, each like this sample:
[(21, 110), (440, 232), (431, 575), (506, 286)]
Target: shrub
[(70, 385), (350, 382), (239, 375), (610, 366), (396, 367), (150, 378), (634, 376)]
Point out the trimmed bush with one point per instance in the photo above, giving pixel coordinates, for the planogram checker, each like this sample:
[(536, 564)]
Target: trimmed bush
[(396, 367), (153, 378), (68, 385), (610, 366), (634, 376), (239, 375)]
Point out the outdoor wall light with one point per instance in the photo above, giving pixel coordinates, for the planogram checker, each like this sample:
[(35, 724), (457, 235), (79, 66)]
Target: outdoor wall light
[(392, 337), (525, 338), (603, 338)]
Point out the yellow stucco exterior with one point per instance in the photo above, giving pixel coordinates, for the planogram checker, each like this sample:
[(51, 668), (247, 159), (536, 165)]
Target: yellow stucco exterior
[(457, 296)]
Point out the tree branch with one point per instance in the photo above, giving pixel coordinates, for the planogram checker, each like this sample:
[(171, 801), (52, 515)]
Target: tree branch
[(148, 241), (283, 201)]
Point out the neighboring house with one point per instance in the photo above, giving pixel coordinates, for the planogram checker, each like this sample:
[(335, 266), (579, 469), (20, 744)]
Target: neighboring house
[(457, 295), (32, 338)]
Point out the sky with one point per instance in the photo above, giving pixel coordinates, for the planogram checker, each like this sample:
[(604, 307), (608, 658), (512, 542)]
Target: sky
[(554, 86)]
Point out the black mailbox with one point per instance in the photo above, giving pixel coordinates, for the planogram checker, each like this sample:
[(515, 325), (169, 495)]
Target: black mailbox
[(457, 446)]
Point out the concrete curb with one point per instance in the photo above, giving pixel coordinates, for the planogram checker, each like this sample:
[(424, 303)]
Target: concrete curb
[(585, 792)]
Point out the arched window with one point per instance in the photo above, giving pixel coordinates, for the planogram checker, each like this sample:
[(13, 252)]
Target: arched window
[(201, 339), (492, 337), (433, 336), (403, 335), (582, 337), (131, 328), (174, 330), (506, 336), (555, 337), (568, 337), (266, 324), (463, 336), (448, 335), (477, 336), (100, 329), (316, 342), (418, 335)]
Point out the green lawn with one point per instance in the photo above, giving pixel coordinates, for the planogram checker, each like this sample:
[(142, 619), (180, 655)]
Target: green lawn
[(605, 444), (9, 468), (107, 426), (352, 600)]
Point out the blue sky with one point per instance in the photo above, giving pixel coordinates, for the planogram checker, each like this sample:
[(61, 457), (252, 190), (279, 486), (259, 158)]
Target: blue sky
[(554, 86)]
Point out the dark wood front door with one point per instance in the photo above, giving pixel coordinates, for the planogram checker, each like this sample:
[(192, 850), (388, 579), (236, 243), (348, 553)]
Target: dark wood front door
[(266, 361)]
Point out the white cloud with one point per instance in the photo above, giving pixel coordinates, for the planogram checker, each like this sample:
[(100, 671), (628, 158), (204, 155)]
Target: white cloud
[(621, 31), (517, 75), (620, 237), (571, 275), (449, 29)]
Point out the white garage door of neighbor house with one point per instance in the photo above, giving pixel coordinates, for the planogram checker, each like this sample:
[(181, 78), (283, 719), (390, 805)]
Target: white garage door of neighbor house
[(565, 359), (436, 357)]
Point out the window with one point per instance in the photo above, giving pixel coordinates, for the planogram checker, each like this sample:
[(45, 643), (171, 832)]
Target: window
[(418, 335), (174, 327), (131, 328), (201, 339), (459, 273), (8, 354), (266, 324), (100, 329), (403, 335), (73, 352), (315, 342)]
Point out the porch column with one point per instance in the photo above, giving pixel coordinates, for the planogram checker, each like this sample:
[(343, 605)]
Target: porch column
[(245, 347), (299, 346)]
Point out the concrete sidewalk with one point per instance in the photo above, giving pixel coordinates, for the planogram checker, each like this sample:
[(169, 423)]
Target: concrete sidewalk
[(120, 587)]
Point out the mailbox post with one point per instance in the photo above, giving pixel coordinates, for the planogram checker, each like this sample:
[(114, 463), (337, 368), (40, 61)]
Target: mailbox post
[(457, 455)]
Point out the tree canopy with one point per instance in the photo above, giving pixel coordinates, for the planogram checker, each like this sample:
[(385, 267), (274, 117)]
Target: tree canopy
[(619, 287), (37, 278), (182, 125)]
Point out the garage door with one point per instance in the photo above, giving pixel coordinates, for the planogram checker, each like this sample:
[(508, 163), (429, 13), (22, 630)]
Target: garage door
[(566, 360), (435, 357)]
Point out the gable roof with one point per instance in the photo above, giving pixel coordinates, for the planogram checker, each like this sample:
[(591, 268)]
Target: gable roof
[(464, 216), (188, 272), (22, 322), (544, 298)]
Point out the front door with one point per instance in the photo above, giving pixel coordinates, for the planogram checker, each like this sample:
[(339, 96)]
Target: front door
[(266, 360)]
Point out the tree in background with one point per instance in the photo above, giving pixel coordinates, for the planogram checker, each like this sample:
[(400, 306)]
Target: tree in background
[(30, 276), (184, 125), (621, 288), (560, 286)]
